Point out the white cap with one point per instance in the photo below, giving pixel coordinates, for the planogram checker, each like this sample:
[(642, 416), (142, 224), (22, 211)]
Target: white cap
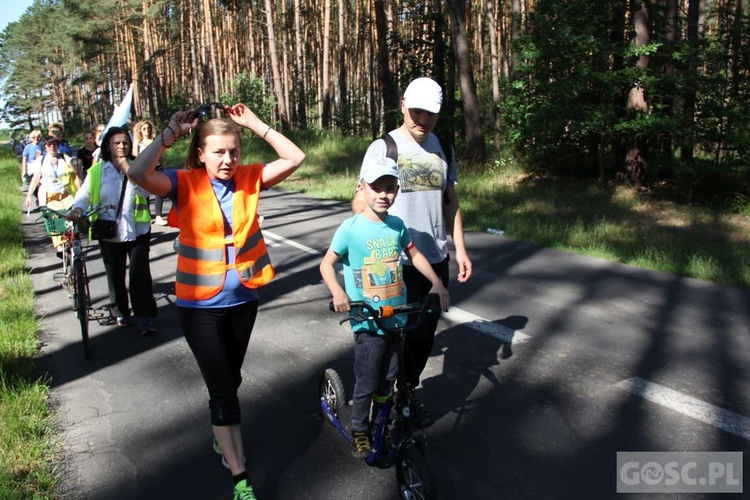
[(375, 168), (424, 93)]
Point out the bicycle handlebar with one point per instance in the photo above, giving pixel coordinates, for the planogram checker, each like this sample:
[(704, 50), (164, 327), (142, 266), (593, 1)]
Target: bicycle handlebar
[(363, 311), (98, 208)]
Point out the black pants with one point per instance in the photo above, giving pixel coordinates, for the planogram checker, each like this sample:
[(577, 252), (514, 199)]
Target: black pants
[(218, 338), (158, 206), (375, 370), (419, 341), (158, 200), (115, 256)]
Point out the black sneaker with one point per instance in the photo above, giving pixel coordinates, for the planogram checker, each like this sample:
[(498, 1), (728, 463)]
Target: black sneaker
[(361, 444), (420, 416)]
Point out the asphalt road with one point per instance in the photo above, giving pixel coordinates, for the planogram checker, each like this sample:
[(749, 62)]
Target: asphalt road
[(548, 364)]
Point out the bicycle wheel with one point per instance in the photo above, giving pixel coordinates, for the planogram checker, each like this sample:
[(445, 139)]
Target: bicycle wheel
[(82, 302), (331, 391), (415, 480)]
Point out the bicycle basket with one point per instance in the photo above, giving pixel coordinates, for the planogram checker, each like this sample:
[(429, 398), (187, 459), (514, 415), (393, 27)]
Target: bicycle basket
[(54, 224)]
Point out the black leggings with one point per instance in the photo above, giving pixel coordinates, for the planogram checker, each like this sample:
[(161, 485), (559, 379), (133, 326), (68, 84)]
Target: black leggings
[(218, 338)]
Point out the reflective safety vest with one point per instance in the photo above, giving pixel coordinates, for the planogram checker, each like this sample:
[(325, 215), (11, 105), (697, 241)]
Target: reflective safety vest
[(201, 258), (141, 212)]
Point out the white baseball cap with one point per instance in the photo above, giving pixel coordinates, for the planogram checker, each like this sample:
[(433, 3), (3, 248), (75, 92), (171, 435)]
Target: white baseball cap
[(375, 168), (424, 93)]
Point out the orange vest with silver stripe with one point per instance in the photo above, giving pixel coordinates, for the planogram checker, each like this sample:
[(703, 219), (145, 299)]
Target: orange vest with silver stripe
[(201, 259)]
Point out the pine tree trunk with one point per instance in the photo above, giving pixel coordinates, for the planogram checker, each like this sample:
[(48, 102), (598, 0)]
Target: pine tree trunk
[(475, 149), (275, 70), (386, 80), (299, 77)]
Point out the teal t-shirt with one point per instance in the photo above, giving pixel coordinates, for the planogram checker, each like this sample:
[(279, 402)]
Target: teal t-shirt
[(370, 252)]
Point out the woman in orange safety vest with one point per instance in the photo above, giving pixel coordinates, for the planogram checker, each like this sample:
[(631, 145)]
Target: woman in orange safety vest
[(222, 257)]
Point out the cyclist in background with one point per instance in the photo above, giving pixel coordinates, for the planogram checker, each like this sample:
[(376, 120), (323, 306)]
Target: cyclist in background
[(57, 180)]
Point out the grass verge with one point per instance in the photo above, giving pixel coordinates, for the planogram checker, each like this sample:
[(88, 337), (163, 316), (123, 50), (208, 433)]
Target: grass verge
[(27, 443), (650, 229)]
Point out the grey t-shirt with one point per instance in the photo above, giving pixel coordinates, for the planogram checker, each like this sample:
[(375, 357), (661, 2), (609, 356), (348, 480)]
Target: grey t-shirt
[(424, 174)]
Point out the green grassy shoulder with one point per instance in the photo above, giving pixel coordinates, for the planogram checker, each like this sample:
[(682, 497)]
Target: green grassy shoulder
[(650, 229), (27, 438)]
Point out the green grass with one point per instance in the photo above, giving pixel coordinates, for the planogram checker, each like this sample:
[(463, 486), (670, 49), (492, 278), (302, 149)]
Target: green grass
[(653, 230), (27, 440), (649, 229)]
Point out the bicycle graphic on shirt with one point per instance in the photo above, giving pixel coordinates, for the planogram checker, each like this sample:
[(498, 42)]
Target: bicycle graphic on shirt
[(419, 176)]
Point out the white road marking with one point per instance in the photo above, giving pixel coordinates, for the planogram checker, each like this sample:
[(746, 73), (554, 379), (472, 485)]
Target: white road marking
[(687, 405), (454, 315), (280, 238), (482, 325)]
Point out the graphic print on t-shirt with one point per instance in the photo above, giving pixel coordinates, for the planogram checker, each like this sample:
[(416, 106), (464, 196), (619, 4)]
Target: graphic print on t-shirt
[(380, 277), (420, 172)]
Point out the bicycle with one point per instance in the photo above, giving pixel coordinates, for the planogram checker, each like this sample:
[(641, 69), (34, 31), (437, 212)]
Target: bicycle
[(74, 277), (394, 439)]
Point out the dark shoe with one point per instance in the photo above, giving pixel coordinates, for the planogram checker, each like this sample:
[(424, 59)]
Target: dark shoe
[(147, 327), (124, 320), (361, 444), (420, 416)]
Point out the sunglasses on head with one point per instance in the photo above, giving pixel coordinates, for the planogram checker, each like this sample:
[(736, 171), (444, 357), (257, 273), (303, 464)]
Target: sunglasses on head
[(54, 131), (204, 110)]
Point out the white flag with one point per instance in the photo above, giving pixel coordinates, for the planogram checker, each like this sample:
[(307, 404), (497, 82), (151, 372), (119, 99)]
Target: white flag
[(121, 113)]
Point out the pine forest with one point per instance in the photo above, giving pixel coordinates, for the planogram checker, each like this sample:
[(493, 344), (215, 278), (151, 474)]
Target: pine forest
[(614, 90)]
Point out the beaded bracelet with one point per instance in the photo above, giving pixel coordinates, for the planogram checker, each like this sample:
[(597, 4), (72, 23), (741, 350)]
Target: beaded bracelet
[(176, 135), (161, 138)]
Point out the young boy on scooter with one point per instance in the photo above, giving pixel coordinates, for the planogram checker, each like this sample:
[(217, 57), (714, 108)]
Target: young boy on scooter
[(369, 245)]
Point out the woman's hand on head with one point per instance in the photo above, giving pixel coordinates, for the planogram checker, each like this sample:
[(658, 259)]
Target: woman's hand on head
[(241, 115)]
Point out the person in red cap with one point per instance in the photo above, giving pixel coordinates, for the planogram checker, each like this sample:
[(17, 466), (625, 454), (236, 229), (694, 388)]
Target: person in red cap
[(57, 180)]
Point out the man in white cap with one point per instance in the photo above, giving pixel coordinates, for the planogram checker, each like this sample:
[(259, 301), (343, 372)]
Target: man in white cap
[(428, 205)]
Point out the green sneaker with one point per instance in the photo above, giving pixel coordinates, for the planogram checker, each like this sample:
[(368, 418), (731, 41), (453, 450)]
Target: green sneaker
[(361, 444), (244, 491)]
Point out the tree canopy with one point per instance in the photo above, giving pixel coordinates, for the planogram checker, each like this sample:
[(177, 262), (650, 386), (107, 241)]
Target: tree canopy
[(598, 88)]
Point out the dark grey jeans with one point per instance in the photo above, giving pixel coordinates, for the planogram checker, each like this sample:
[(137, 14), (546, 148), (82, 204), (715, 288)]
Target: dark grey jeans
[(375, 370)]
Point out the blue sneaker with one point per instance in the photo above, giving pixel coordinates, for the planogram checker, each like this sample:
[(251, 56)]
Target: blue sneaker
[(124, 320), (244, 491), (147, 327)]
